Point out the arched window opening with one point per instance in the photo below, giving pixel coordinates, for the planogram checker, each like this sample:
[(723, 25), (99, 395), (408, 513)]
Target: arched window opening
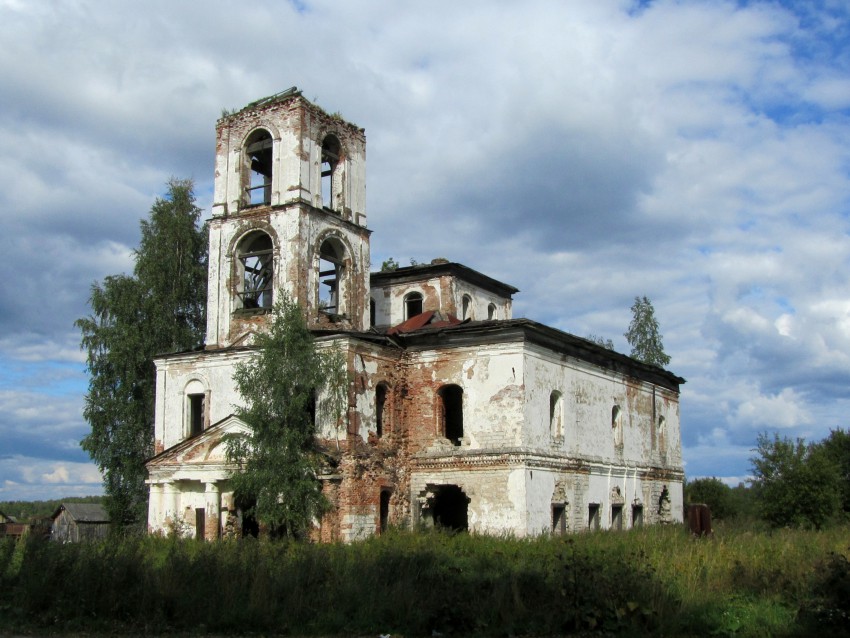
[(451, 412), (556, 419), (330, 160), (195, 415), (412, 304), (661, 435), (372, 312), (380, 404), (617, 425), (258, 160), (331, 274), (257, 270), (467, 307), (491, 311)]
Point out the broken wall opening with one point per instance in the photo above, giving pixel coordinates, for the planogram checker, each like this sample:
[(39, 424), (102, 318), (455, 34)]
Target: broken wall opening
[(449, 508)]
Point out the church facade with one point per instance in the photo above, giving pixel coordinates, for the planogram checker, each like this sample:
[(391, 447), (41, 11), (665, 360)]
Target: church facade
[(458, 414)]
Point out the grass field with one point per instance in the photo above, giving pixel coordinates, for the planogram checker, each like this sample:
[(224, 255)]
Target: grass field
[(650, 581)]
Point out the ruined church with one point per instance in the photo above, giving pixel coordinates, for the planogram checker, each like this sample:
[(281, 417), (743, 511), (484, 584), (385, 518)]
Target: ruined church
[(458, 414)]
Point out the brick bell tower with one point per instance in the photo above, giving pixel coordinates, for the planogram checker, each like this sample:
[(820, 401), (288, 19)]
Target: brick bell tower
[(289, 215)]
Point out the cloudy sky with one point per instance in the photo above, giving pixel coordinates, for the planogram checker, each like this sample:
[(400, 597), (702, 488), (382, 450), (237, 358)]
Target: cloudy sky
[(585, 151)]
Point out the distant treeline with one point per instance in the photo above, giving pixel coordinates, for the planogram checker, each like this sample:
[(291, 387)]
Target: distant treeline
[(25, 511)]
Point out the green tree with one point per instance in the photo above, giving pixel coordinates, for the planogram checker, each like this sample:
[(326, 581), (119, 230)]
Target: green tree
[(837, 448), (389, 265), (794, 484), (278, 459), (157, 310), (714, 493), (644, 336)]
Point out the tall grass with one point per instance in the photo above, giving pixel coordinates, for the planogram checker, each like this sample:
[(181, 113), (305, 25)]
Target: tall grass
[(655, 580)]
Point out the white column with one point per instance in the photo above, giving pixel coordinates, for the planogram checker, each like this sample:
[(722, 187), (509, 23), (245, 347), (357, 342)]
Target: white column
[(170, 499), (155, 518), (213, 511)]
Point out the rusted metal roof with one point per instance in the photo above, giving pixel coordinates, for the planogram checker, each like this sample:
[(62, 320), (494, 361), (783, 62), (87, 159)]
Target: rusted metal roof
[(431, 319)]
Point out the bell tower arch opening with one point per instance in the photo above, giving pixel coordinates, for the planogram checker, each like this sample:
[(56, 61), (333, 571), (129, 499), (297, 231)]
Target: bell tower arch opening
[(255, 271), (331, 169), (257, 169), (332, 277), (289, 214)]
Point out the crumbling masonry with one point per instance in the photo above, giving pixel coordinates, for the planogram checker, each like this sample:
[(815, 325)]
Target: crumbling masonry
[(458, 414)]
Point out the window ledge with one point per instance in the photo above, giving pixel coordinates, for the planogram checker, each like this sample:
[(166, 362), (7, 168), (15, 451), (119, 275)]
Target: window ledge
[(251, 312)]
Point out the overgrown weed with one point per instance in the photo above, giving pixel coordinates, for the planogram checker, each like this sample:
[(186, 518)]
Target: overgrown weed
[(653, 580)]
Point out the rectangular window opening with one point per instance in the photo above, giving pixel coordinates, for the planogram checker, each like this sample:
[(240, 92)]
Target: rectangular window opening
[(637, 515), (559, 518), (593, 516), (617, 517), (196, 413), (385, 510), (200, 523)]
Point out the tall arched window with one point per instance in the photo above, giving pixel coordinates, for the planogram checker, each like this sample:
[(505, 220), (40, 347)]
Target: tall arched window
[(451, 412), (467, 307), (255, 263), (412, 304), (491, 311), (556, 416), (661, 434), (330, 178), (257, 171), (196, 413), (617, 425), (332, 277)]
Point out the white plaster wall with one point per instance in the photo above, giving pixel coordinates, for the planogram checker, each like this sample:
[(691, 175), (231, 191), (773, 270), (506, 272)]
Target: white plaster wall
[(497, 496), (481, 299), (589, 394), (297, 130), (491, 378), (214, 370), (389, 299), (356, 527), (295, 236)]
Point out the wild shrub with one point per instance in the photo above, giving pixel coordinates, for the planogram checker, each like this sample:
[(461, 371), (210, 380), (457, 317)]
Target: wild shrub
[(655, 580)]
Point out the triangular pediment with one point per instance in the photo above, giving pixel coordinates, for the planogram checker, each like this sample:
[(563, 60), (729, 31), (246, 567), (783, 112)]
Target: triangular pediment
[(205, 449)]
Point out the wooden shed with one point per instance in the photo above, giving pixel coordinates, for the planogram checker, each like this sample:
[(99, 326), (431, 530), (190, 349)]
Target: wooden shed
[(10, 527), (76, 522)]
